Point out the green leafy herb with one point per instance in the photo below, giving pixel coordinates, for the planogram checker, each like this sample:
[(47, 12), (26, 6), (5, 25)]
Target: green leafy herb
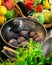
[(31, 55)]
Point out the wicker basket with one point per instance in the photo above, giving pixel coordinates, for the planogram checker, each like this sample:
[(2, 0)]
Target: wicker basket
[(18, 12), (48, 25)]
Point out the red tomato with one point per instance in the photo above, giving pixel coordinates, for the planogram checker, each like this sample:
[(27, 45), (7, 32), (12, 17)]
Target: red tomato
[(9, 4), (39, 8)]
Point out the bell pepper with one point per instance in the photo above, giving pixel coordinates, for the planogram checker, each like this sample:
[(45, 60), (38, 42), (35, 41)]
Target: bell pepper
[(2, 19), (0, 2), (3, 10), (46, 4), (39, 8), (10, 14), (29, 4), (29, 1), (9, 4)]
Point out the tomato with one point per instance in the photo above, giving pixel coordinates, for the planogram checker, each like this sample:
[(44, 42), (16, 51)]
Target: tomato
[(9, 4), (39, 8)]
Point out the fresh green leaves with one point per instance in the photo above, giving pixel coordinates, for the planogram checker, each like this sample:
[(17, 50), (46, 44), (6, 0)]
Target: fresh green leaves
[(31, 55)]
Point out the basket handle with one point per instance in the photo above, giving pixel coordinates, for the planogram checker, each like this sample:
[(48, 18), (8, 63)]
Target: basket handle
[(10, 49), (18, 10)]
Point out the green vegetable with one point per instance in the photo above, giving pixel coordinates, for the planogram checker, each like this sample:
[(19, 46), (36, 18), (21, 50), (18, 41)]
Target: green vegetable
[(41, 18), (48, 17), (18, 0), (10, 14), (38, 1), (32, 55)]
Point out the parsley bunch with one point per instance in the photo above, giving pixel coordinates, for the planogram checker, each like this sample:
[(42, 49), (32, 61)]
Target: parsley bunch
[(30, 54)]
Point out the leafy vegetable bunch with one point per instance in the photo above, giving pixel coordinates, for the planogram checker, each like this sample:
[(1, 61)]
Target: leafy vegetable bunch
[(30, 55)]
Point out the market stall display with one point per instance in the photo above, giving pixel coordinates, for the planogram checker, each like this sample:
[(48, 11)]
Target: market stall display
[(40, 11), (24, 28)]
